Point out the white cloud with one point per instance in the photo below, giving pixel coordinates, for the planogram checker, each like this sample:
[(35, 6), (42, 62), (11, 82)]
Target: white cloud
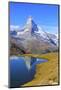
[(14, 27), (50, 29)]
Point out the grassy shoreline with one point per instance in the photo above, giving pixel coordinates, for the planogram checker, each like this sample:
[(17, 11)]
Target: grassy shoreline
[(46, 73)]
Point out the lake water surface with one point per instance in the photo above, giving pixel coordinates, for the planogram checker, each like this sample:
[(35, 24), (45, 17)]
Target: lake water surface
[(22, 69)]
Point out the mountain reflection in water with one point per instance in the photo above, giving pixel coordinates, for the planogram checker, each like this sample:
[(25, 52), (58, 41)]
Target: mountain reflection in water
[(22, 69)]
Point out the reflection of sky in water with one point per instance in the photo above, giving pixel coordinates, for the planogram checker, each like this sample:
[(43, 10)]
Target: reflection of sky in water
[(22, 69)]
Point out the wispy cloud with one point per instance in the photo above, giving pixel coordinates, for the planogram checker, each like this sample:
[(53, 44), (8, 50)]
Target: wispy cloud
[(50, 29), (14, 27)]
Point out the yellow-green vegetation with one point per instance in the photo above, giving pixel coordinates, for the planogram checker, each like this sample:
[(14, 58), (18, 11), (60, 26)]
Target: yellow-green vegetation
[(47, 72)]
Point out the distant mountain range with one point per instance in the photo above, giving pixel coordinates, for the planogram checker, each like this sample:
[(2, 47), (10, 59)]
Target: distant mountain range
[(33, 38)]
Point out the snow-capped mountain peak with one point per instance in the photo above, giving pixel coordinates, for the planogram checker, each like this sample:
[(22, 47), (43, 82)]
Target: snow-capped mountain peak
[(32, 30), (29, 20), (30, 25)]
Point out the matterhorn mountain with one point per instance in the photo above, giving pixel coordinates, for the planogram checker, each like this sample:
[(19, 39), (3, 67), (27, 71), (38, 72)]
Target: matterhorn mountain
[(33, 38)]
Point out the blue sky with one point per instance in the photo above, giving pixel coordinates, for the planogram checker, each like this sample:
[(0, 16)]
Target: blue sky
[(44, 15)]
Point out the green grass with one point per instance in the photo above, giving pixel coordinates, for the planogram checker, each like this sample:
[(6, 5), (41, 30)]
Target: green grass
[(46, 73)]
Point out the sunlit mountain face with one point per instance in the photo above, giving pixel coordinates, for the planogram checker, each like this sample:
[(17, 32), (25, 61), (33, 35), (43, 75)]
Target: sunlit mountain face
[(32, 38)]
